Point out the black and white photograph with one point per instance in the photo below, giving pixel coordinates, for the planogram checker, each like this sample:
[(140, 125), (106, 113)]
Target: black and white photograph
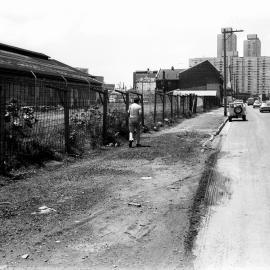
[(135, 135)]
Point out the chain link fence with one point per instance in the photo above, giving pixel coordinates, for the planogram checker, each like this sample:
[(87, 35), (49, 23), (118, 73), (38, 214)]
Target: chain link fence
[(41, 117)]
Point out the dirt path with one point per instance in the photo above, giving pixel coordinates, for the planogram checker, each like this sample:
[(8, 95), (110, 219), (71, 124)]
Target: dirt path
[(93, 225)]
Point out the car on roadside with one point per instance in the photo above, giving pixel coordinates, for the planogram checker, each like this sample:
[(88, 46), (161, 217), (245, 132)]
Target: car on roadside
[(237, 109), (238, 101), (265, 107), (250, 101), (257, 104)]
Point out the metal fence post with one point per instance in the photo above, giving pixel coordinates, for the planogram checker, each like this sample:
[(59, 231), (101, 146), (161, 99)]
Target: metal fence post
[(127, 108), (155, 108), (142, 110), (66, 118), (163, 106), (2, 123), (177, 104), (164, 96), (105, 113)]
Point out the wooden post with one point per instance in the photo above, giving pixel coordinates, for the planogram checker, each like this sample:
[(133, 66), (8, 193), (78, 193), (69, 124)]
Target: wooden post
[(177, 104), (190, 103), (105, 113), (183, 104), (195, 104), (204, 104), (171, 99)]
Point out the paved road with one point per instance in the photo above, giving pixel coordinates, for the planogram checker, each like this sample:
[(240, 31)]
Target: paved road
[(235, 234)]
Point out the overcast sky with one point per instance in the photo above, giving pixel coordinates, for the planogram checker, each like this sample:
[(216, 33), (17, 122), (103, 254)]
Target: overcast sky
[(113, 38)]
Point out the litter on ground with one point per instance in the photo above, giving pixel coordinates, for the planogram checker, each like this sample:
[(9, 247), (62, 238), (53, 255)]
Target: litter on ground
[(25, 256), (146, 177), (134, 204)]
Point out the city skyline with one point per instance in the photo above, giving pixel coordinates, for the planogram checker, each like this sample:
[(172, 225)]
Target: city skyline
[(115, 38), (249, 73)]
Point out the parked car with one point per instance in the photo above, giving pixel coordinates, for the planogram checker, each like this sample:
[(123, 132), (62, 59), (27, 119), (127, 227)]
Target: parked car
[(250, 101), (237, 109), (257, 104), (238, 101), (265, 107)]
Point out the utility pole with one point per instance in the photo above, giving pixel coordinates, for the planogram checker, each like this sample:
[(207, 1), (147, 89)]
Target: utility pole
[(225, 31), (225, 73), (234, 86)]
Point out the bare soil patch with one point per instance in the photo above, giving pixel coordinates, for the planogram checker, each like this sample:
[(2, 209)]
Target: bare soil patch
[(93, 225)]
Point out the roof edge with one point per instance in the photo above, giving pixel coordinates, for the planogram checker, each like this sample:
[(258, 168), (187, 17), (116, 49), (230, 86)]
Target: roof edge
[(13, 49)]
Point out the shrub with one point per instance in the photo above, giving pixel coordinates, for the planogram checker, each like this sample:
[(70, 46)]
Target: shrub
[(21, 147), (18, 124), (83, 125)]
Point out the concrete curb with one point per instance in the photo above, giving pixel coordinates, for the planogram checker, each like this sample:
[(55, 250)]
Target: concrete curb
[(221, 127), (216, 133)]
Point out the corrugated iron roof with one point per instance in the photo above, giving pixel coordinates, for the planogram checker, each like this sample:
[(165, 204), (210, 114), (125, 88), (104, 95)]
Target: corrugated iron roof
[(9, 48), (40, 65)]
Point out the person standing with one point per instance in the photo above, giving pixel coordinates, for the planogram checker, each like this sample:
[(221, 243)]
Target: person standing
[(134, 123)]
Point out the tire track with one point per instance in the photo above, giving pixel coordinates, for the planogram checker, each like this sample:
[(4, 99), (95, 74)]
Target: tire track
[(204, 196)]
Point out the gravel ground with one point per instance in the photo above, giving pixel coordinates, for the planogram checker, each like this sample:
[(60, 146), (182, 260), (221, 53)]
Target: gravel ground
[(117, 208)]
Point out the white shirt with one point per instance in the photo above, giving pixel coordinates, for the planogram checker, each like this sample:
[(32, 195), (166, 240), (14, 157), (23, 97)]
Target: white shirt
[(135, 111)]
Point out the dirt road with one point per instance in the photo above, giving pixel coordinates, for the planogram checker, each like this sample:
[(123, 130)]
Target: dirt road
[(119, 208), (236, 230)]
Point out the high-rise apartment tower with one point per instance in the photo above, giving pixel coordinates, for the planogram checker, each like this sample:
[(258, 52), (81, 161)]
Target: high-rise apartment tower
[(252, 46), (231, 43), (248, 74)]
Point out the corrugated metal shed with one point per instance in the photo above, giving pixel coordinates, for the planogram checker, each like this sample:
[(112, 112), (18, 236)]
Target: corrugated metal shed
[(9, 48), (20, 60)]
